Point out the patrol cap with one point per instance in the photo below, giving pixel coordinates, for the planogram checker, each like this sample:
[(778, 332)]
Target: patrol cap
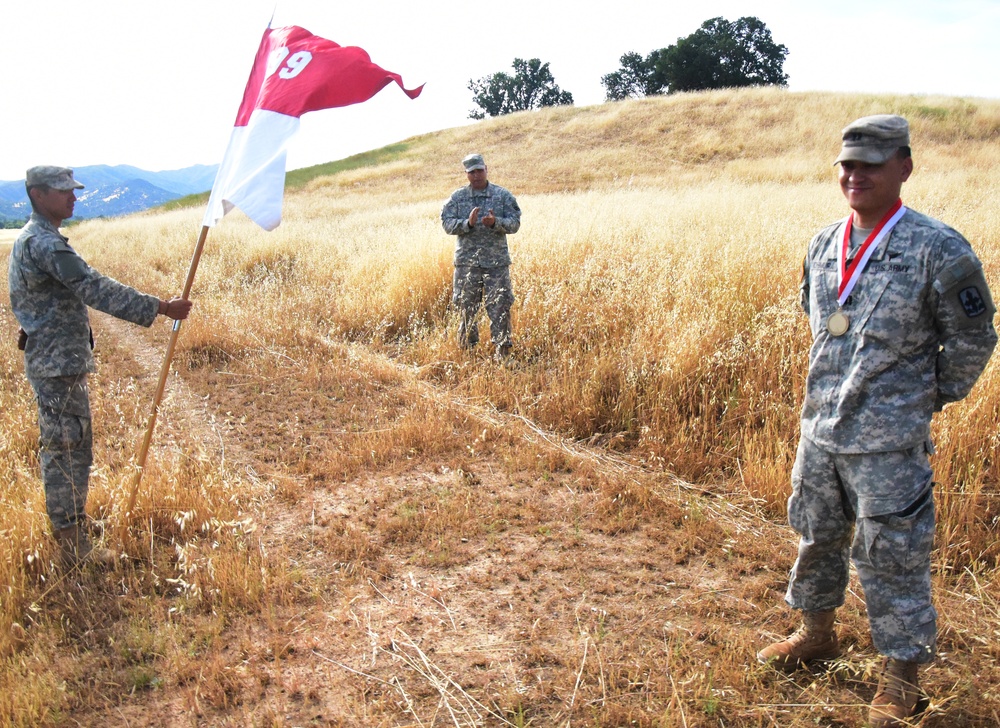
[(57, 178), (874, 139), (473, 161)]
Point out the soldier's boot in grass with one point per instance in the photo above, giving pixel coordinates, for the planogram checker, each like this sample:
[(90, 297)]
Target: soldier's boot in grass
[(814, 641), (898, 698), (77, 549)]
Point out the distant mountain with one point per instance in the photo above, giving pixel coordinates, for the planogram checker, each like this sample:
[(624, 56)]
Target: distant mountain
[(110, 199), (113, 191)]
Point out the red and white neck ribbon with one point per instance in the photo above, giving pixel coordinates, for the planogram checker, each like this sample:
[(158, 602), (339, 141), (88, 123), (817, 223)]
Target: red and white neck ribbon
[(849, 275)]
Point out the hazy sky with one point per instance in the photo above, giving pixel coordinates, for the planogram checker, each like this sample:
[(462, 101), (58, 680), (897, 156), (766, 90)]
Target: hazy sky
[(157, 84)]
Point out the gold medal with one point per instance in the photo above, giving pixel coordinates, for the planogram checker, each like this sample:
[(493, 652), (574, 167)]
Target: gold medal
[(838, 323)]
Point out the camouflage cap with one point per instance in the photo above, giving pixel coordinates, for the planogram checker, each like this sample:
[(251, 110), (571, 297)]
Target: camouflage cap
[(58, 178), (874, 139), (473, 161)]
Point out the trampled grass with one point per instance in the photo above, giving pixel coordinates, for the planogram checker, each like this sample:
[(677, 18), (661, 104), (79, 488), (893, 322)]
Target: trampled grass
[(341, 497)]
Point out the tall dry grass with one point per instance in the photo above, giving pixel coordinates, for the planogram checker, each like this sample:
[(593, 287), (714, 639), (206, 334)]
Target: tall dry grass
[(191, 538), (655, 271), (656, 279)]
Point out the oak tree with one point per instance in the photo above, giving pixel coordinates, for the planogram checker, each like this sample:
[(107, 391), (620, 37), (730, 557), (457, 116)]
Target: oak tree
[(720, 54), (531, 87)]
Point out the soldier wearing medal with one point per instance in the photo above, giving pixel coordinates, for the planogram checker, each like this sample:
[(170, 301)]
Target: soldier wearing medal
[(902, 325)]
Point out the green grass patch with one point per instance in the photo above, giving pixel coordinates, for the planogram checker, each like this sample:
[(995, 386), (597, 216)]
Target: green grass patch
[(300, 177), (199, 199)]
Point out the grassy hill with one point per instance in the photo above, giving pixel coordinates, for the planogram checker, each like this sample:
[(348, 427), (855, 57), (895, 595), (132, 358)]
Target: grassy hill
[(348, 521)]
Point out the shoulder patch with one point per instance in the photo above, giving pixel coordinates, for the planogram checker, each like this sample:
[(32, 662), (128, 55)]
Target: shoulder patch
[(68, 265), (972, 301)]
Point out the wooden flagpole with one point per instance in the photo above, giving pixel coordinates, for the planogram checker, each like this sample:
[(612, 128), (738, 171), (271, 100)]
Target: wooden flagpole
[(161, 386)]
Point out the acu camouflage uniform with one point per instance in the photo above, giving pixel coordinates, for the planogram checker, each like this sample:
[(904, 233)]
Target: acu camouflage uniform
[(482, 261), (51, 287), (921, 332)]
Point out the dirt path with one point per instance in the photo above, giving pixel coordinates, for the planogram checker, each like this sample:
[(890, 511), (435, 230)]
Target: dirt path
[(190, 411), (463, 589)]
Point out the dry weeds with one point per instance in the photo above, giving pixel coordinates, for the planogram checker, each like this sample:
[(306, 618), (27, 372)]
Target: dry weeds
[(347, 521)]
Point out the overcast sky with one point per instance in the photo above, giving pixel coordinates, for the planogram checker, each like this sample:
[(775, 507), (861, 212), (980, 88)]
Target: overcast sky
[(157, 84)]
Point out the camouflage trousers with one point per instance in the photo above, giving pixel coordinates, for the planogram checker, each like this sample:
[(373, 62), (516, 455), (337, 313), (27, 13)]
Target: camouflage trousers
[(65, 446), (472, 285), (877, 509)]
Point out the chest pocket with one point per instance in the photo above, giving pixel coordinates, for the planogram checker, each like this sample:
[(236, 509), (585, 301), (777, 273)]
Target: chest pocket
[(888, 292)]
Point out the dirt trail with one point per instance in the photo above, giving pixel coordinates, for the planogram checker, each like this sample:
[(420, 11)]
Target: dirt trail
[(460, 587), (180, 404)]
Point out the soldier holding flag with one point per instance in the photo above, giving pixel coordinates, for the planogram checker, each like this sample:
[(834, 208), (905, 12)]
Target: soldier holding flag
[(51, 288)]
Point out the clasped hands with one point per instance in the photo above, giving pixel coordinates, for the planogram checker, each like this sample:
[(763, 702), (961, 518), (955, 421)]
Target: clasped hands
[(489, 219)]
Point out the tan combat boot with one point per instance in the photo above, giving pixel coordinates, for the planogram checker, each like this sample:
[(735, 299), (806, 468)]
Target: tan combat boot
[(898, 697), (814, 641), (77, 549)]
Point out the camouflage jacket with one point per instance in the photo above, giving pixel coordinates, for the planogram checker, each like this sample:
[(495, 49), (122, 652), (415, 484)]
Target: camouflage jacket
[(51, 287), (921, 332), (481, 246)]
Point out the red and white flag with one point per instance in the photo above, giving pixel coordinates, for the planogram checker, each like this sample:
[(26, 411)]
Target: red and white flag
[(294, 72)]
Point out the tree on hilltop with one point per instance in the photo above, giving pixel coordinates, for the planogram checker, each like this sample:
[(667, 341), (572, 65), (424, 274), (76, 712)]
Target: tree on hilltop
[(636, 78), (531, 87), (720, 54), (723, 54)]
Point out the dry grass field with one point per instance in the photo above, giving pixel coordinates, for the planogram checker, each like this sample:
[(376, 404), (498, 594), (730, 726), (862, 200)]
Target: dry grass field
[(345, 520)]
